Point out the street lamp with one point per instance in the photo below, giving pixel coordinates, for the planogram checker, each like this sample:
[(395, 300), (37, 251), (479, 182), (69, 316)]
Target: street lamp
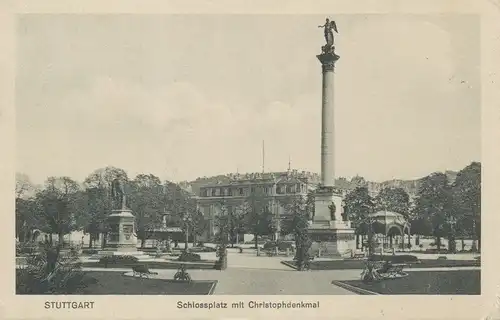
[(368, 220), (187, 220), (452, 221)]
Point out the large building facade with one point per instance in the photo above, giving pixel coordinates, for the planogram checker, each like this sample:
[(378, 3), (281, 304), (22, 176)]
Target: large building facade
[(234, 191)]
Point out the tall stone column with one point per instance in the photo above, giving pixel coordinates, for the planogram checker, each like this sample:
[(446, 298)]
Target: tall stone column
[(328, 119), (330, 235)]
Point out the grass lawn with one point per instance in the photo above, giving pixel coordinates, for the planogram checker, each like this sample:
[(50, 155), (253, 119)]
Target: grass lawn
[(360, 264), (109, 282), (208, 265), (465, 282)]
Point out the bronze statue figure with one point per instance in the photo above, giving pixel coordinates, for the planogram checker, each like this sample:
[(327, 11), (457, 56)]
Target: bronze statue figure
[(345, 212), (332, 211), (118, 194), (328, 27)]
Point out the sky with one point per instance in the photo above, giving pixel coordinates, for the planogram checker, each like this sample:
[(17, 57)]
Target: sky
[(184, 96)]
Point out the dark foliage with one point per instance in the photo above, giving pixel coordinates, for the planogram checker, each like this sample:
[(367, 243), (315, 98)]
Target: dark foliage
[(106, 260), (51, 272), (282, 245), (189, 257), (203, 249), (394, 259), (89, 251)]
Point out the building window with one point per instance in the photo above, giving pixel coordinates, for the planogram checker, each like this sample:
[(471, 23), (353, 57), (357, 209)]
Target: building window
[(213, 193), (241, 192), (289, 189), (266, 190), (252, 189), (229, 192)]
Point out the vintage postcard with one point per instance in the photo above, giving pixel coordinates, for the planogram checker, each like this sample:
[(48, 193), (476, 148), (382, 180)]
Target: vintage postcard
[(222, 161)]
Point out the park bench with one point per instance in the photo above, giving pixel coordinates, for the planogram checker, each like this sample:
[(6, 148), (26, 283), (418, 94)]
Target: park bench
[(358, 255), (271, 253), (142, 270)]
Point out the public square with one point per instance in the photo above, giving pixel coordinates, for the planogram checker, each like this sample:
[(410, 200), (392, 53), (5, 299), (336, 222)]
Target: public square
[(160, 166)]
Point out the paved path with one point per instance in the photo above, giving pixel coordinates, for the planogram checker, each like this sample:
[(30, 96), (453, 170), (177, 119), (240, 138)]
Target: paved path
[(261, 282), (248, 274)]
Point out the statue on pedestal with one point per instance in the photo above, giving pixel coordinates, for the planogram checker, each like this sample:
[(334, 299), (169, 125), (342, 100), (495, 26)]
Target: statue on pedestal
[(332, 211), (328, 27), (118, 194), (345, 213)]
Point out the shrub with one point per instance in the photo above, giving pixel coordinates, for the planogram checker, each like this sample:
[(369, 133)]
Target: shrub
[(189, 257), (203, 249), (282, 246), (46, 275), (442, 250), (269, 245), (394, 258), (26, 248), (118, 260), (90, 251)]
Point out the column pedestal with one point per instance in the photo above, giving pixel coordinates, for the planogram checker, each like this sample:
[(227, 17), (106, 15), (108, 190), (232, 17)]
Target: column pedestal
[(331, 236), (121, 237)]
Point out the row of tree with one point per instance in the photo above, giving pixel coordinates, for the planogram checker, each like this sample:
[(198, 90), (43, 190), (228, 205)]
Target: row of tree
[(62, 205), (441, 208)]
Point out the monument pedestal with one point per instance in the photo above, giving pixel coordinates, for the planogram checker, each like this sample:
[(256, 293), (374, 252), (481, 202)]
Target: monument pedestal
[(331, 236), (121, 237)]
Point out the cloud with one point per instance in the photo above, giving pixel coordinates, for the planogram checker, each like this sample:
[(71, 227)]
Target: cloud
[(151, 109), (180, 126)]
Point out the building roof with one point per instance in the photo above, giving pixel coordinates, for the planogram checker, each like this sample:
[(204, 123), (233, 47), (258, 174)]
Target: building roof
[(259, 178), (384, 213)]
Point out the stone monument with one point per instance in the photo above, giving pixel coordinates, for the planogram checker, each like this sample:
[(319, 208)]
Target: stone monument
[(330, 229), (121, 237)]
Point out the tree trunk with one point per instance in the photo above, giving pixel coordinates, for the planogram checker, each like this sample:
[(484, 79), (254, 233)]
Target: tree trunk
[(474, 237), (52, 257), (142, 236), (91, 239), (438, 243), (256, 244), (452, 246), (60, 239), (357, 241), (51, 240)]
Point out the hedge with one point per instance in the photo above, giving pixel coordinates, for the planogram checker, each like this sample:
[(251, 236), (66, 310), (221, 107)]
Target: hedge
[(189, 257), (394, 258)]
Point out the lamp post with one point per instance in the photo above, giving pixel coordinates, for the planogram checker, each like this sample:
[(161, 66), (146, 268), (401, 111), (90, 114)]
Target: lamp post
[(452, 221), (368, 220), (187, 219)]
